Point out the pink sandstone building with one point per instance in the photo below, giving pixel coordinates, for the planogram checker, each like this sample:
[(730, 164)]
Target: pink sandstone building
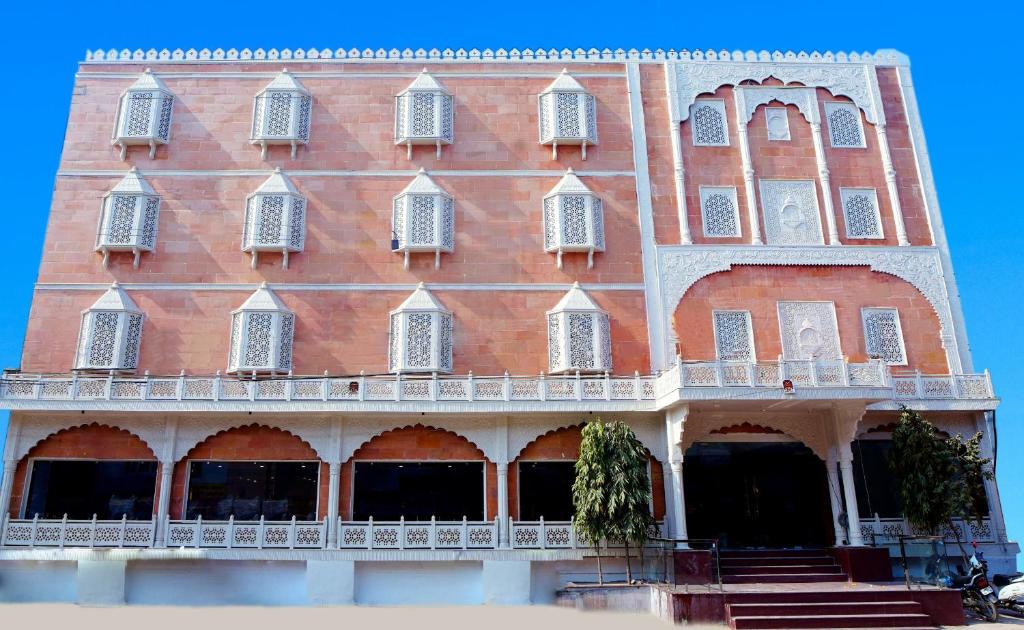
[(323, 326)]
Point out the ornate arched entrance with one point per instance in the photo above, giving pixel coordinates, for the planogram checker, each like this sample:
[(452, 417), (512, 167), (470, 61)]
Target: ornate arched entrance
[(756, 487)]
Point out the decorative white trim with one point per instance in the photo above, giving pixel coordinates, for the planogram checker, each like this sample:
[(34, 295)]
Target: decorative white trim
[(338, 173), (749, 98), (211, 286), (777, 135), (681, 267), (884, 57)]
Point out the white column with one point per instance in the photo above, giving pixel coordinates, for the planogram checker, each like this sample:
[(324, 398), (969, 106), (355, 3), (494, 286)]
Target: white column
[(163, 504), (503, 533), (748, 181), (826, 184), (7, 486), (949, 344), (890, 182), (850, 491), (833, 494), (333, 484), (985, 423), (675, 418), (675, 135)]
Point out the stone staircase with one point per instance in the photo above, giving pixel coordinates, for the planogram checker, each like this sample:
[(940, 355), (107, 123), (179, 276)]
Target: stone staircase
[(826, 609), (779, 566)]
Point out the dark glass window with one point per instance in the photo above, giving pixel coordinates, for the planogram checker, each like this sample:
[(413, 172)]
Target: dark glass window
[(447, 491), (247, 490), (877, 489), (78, 488), (545, 489)]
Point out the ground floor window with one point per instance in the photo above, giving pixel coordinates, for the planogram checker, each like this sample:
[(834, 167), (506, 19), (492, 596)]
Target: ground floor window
[(545, 490), (277, 491), (447, 491), (81, 488), (877, 488)]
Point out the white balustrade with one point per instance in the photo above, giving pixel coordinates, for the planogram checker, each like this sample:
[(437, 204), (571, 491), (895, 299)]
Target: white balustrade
[(432, 534), (261, 534), (915, 385), (830, 373), (887, 531), (64, 532)]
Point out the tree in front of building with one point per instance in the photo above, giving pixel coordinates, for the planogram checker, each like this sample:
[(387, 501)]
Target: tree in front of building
[(939, 479), (612, 491)]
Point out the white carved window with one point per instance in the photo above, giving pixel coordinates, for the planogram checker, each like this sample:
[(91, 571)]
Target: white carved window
[(420, 335), (275, 219), (883, 335), (423, 219), (860, 211), (110, 333), (809, 331), (129, 218), (844, 126), (144, 115), (777, 121), (734, 335), (568, 115), (708, 122), (720, 211), (424, 114), (262, 334), (281, 114), (573, 219), (579, 335), (791, 212)]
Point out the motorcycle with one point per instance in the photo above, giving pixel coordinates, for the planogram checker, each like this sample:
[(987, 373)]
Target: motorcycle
[(977, 593), (1011, 592)]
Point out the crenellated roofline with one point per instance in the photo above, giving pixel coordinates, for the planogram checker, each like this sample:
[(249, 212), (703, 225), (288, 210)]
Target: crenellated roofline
[(881, 57)]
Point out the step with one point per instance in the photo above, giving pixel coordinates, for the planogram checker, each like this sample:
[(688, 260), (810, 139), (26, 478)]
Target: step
[(782, 578), (823, 596), (778, 553), (824, 608), (775, 560), (918, 620), (789, 569)]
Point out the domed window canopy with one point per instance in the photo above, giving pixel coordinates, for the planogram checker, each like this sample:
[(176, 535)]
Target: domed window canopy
[(578, 335), (424, 114), (128, 218), (281, 114), (262, 331), (423, 219), (110, 333), (573, 219), (420, 335), (568, 115), (275, 219), (144, 115)]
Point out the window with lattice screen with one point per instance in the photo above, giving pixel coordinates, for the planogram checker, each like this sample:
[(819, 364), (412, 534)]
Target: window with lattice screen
[(844, 125), (720, 211), (860, 212), (708, 123), (883, 335), (734, 338)]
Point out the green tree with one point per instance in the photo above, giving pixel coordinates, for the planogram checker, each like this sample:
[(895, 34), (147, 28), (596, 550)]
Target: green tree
[(591, 489)]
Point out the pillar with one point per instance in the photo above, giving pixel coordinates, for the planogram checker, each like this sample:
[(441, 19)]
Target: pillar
[(164, 502), (831, 466), (890, 182), (850, 492), (7, 486), (826, 184), (506, 582), (333, 485), (679, 174), (986, 424), (331, 582), (503, 533), (100, 582), (748, 182), (675, 418)]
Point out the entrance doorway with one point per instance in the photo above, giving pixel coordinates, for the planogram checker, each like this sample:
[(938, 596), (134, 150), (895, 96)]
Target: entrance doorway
[(757, 495)]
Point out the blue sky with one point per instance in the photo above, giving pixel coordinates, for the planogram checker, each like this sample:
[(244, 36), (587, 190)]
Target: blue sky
[(965, 64)]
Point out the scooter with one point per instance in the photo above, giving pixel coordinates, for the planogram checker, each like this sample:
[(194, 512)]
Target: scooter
[(1011, 592), (976, 591)]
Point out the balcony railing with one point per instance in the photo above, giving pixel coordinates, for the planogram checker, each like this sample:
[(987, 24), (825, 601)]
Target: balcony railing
[(261, 534), (942, 386), (430, 534), (886, 531), (833, 373), (63, 532)]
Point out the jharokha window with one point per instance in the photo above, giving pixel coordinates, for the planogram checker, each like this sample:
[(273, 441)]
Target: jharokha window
[(417, 491), (80, 489), (277, 491)]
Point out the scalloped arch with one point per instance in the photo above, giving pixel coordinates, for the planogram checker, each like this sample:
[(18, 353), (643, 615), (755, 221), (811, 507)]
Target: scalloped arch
[(257, 425), (314, 435), (418, 425), (651, 434), (813, 437), (518, 454), (25, 447)]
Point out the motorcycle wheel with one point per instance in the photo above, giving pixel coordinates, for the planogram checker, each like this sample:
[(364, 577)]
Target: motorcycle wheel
[(988, 610)]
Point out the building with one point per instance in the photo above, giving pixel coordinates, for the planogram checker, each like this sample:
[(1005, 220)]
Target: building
[(324, 325)]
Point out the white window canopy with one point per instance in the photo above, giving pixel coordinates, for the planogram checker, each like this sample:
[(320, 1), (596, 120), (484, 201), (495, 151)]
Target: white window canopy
[(110, 333), (420, 337), (275, 219), (578, 335), (568, 115), (281, 114), (424, 114), (129, 218), (423, 219), (262, 331), (144, 115), (573, 219)]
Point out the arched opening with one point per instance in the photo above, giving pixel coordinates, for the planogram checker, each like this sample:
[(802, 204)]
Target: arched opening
[(418, 472), (250, 472), (756, 487)]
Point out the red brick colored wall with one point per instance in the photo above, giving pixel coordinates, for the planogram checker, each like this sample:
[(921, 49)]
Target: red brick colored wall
[(92, 441), (251, 443), (759, 288), (419, 443), (564, 445)]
